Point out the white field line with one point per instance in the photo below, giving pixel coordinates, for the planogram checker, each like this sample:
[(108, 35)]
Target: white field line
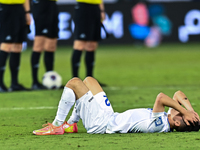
[(51, 107), (28, 108), (47, 107), (107, 88), (112, 88)]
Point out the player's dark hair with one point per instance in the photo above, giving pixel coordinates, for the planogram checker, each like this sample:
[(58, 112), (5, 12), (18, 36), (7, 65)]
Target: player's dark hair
[(185, 128)]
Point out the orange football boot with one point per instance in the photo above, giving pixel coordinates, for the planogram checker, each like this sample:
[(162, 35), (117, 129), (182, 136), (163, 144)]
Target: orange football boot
[(70, 128), (49, 130)]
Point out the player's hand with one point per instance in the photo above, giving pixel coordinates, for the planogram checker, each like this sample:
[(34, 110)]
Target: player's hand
[(190, 117), (196, 114), (28, 18), (103, 16)]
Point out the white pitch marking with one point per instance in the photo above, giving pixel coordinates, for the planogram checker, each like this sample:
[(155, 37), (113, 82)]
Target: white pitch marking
[(107, 88), (51, 107), (28, 108), (137, 88)]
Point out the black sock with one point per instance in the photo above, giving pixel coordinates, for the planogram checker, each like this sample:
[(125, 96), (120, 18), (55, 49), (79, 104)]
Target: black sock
[(3, 58), (35, 58), (49, 60), (14, 67), (75, 60), (89, 61)]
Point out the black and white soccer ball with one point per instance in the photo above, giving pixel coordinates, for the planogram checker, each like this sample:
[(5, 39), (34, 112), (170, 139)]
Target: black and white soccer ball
[(52, 80)]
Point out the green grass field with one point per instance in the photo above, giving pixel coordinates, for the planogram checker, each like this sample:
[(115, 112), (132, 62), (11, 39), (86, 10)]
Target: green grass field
[(135, 75)]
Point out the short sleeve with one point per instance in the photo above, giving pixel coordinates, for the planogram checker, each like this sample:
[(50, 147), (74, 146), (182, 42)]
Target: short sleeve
[(159, 122)]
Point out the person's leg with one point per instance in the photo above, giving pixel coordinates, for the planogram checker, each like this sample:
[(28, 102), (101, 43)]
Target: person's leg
[(78, 48), (74, 118), (15, 66), (74, 89), (93, 108), (90, 48), (4, 53), (50, 48), (38, 48), (93, 85)]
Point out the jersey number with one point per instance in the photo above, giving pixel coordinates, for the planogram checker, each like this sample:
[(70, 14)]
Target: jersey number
[(107, 101)]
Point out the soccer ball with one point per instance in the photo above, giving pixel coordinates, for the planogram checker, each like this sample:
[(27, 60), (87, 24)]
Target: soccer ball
[(52, 80)]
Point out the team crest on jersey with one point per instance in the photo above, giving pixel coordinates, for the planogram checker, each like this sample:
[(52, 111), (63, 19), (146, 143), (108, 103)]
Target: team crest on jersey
[(158, 121)]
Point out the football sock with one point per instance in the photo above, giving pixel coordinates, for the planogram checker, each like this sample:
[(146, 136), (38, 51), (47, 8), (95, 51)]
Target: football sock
[(14, 67), (66, 102), (74, 118), (89, 61), (35, 57), (76, 56), (3, 58), (49, 60), (57, 122)]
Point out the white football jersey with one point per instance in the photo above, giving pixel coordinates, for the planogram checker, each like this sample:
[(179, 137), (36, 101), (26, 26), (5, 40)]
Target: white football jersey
[(138, 120)]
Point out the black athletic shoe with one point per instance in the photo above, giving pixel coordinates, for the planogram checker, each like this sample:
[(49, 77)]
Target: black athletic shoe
[(38, 86), (3, 89), (62, 87), (18, 87)]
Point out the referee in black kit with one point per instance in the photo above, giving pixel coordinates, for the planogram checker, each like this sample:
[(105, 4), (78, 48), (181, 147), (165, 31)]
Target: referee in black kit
[(14, 19), (88, 17), (45, 14)]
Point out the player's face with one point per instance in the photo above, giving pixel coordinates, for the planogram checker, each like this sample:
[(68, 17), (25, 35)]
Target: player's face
[(177, 117), (178, 120)]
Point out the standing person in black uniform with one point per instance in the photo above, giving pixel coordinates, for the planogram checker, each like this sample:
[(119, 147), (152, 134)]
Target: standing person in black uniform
[(45, 14), (14, 18), (88, 17)]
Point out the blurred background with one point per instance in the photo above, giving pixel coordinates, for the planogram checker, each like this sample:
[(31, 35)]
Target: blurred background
[(148, 22)]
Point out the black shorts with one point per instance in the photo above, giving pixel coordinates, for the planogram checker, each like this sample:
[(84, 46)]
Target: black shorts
[(45, 14), (87, 22), (12, 23)]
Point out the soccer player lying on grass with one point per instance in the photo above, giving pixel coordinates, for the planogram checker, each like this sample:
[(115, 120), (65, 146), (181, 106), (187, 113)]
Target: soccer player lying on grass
[(96, 112)]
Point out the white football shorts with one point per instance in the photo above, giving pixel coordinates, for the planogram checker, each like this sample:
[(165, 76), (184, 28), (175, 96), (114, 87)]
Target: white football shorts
[(95, 112)]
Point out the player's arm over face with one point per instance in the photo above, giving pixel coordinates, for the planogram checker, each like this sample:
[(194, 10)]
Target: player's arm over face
[(182, 99), (163, 100)]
